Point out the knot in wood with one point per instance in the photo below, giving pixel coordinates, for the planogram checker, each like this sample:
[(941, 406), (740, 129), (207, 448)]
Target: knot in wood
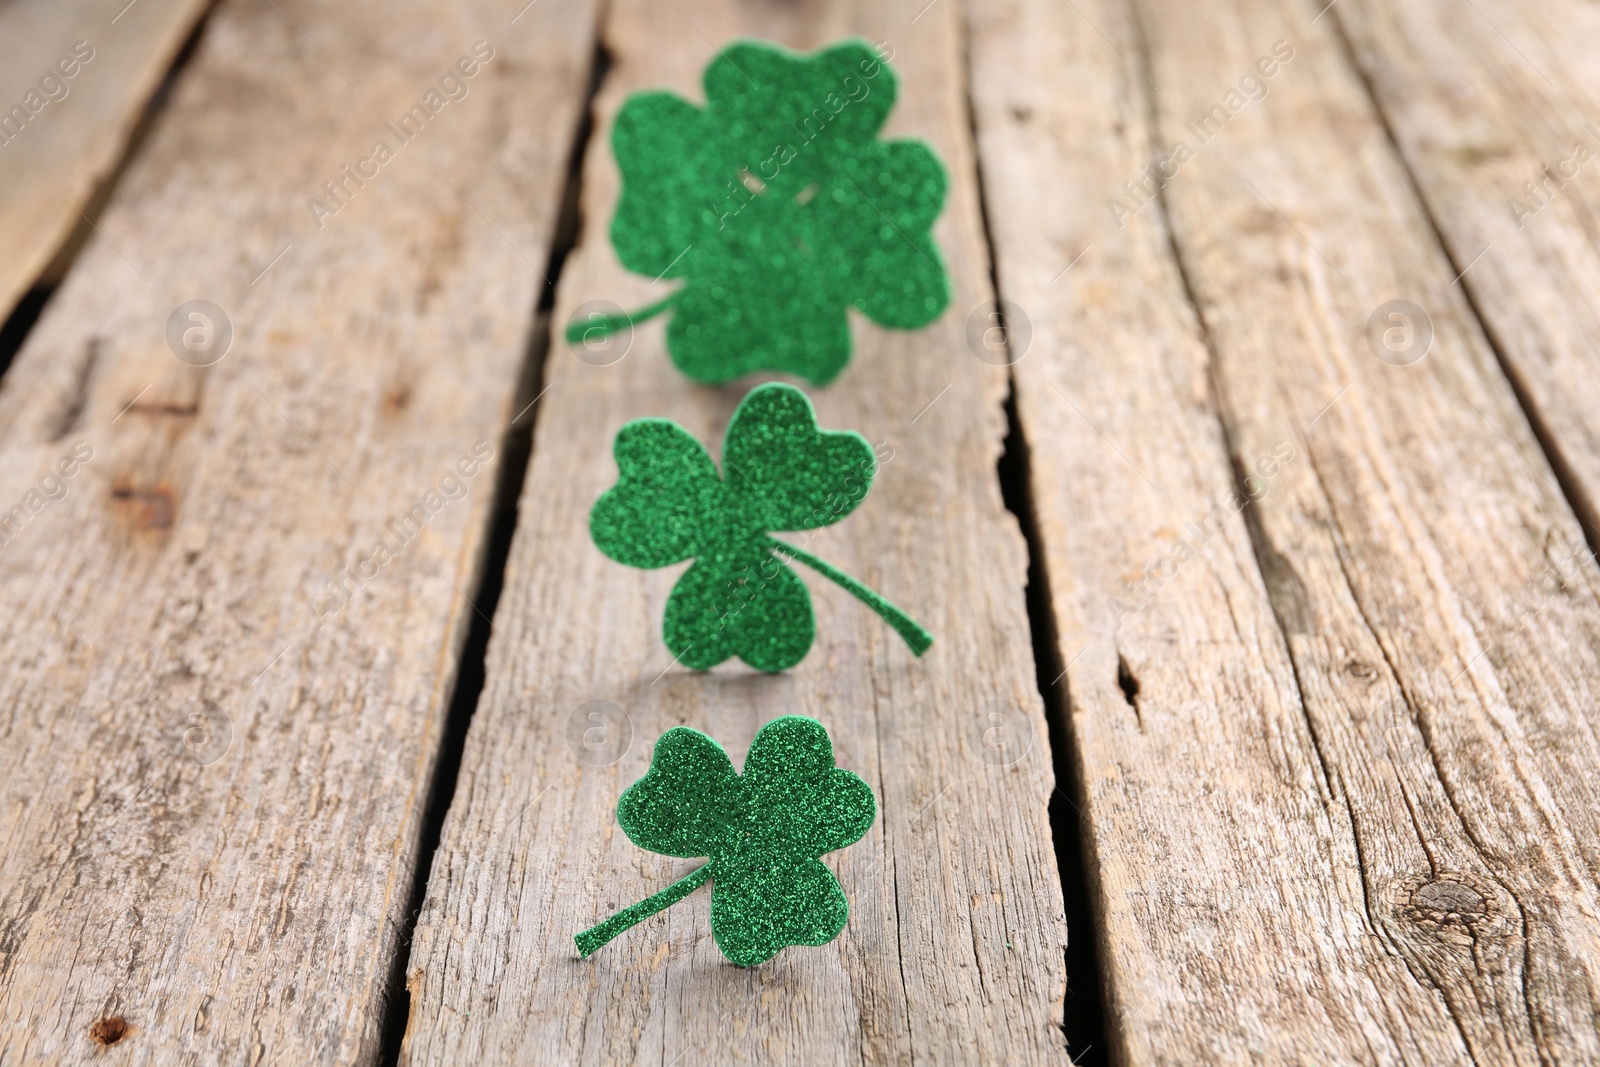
[(1356, 668), (109, 1030), (1449, 903), (147, 508)]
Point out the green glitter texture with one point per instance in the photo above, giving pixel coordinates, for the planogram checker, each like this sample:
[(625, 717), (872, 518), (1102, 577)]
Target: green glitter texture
[(761, 832), (781, 473), (780, 208)]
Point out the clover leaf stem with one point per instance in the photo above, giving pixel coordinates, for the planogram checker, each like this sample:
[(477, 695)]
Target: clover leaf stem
[(597, 326), (591, 939), (919, 639)]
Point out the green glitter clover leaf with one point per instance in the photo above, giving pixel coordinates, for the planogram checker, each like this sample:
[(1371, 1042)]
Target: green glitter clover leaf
[(780, 208), (781, 474), (760, 832)]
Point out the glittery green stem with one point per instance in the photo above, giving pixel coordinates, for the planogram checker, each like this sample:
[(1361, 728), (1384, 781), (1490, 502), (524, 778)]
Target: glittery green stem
[(919, 639), (579, 332), (591, 939)]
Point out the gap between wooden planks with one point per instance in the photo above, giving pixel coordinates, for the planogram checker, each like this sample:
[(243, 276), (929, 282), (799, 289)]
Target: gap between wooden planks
[(53, 161), (231, 883), (954, 949), (1345, 812)]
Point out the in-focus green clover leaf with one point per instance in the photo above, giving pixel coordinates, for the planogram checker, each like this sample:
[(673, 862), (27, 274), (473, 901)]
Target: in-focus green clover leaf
[(780, 208), (761, 834), (781, 473)]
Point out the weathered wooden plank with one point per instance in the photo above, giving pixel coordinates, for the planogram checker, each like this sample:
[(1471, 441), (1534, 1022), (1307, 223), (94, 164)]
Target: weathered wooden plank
[(77, 76), (1224, 871), (203, 885), (1496, 108), (954, 950), (1453, 721)]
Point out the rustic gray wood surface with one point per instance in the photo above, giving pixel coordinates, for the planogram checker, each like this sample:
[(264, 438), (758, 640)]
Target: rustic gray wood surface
[(227, 882), (954, 948), (1449, 693), (82, 72), (1496, 108), (1335, 747), (1224, 876)]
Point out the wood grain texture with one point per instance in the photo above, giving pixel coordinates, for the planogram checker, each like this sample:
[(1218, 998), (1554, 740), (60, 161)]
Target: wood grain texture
[(954, 948), (1224, 869), (1497, 111), (1440, 610), (53, 160), (231, 888)]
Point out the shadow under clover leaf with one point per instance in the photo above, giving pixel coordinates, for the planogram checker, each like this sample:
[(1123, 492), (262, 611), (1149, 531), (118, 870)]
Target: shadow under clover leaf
[(781, 473), (780, 208), (760, 832)]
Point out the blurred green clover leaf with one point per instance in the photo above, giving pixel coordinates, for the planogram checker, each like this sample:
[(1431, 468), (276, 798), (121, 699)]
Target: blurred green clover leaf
[(780, 208), (781, 473), (760, 832)]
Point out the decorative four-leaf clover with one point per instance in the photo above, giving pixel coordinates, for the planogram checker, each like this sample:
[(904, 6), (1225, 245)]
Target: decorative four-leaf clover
[(780, 473), (780, 208), (761, 834)]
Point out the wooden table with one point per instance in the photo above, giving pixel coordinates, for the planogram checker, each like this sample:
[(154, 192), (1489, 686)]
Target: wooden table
[(1259, 554)]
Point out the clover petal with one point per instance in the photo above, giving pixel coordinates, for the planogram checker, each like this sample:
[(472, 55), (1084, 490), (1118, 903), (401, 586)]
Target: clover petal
[(898, 277), (780, 208), (784, 472), (655, 514), (762, 614), (764, 95), (762, 833), (765, 909), (814, 807), (651, 128), (730, 327), (689, 800)]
